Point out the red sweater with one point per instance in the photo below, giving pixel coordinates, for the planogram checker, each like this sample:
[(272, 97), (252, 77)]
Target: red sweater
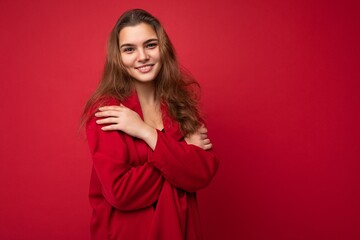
[(137, 193)]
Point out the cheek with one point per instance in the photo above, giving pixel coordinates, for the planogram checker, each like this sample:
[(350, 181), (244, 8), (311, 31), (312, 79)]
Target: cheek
[(158, 58), (127, 60)]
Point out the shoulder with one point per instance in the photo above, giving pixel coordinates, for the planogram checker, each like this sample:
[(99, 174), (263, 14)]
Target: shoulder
[(104, 101)]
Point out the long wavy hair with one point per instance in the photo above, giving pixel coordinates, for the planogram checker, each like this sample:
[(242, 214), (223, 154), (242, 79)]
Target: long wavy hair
[(174, 86)]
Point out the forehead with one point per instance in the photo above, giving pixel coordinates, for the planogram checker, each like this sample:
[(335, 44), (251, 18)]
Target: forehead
[(136, 34)]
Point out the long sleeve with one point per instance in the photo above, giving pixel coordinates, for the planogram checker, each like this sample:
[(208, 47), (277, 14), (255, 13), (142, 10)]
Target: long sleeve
[(125, 187), (185, 166)]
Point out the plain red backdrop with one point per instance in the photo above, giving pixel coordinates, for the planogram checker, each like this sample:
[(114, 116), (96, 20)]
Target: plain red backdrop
[(280, 84)]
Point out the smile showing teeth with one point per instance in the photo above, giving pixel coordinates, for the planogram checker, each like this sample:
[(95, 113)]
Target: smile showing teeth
[(145, 69)]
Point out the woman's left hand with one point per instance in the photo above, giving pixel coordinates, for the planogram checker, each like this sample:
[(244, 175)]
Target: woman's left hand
[(199, 138), (123, 119)]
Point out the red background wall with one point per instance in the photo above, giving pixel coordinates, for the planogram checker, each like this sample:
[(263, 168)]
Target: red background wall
[(280, 86)]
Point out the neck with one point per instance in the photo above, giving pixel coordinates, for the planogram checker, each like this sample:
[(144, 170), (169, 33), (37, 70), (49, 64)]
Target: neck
[(146, 93)]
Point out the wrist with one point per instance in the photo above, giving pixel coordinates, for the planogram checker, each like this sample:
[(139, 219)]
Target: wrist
[(149, 135)]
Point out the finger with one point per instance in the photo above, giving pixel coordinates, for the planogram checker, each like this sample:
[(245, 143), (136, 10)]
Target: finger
[(203, 136), (106, 108), (207, 146), (107, 120), (206, 141), (111, 113), (109, 127), (202, 130)]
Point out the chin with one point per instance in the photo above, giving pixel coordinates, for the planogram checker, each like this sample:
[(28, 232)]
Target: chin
[(143, 80)]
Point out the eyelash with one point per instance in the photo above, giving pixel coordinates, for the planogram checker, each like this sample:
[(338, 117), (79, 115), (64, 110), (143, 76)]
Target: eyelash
[(128, 49), (151, 45)]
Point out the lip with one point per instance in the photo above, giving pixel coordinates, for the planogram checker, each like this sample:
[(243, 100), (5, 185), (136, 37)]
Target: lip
[(145, 68)]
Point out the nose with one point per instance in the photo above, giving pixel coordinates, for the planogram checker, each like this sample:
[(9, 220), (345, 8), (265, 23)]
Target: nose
[(143, 56)]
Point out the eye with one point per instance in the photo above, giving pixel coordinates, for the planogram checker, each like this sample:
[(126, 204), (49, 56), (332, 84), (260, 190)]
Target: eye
[(128, 49), (151, 45)]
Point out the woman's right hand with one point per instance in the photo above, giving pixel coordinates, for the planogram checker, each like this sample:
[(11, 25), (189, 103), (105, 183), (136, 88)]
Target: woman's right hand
[(199, 138), (120, 118)]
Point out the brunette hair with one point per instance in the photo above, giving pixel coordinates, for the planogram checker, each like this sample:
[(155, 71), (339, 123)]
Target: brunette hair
[(173, 85)]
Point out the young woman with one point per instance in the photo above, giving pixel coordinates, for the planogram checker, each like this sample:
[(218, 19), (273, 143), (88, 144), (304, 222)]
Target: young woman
[(149, 147)]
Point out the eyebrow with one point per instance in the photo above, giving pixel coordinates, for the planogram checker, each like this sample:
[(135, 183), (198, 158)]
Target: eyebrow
[(147, 41)]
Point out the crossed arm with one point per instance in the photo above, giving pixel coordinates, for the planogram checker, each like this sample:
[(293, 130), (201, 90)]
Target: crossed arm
[(185, 165), (128, 121)]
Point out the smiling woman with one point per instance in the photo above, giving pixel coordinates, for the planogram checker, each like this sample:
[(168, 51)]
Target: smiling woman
[(149, 146)]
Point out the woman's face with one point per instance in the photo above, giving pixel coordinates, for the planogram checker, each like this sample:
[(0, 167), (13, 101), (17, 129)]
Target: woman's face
[(139, 51)]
